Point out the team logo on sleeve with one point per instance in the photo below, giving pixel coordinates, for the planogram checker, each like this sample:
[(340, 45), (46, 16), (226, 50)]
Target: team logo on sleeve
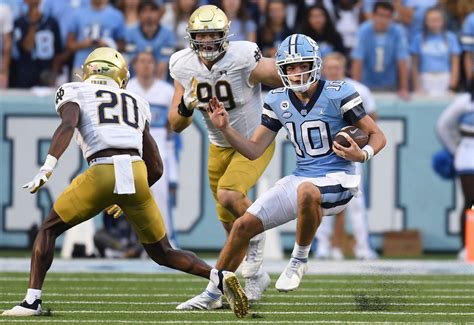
[(257, 55), (59, 95)]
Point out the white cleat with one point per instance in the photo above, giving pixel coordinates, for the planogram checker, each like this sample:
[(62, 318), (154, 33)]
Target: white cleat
[(25, 309), (366, 254), (291, 277), (256, 285), (462, 254), (205, 301), (254, 258), (235, 295), (336, 254)]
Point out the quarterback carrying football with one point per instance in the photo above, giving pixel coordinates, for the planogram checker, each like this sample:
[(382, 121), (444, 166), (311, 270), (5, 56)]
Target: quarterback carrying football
[(312, 111), (114, 136), (231, 71)]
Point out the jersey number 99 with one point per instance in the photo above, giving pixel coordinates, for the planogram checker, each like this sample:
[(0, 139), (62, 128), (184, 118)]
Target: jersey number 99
[(223, 92)]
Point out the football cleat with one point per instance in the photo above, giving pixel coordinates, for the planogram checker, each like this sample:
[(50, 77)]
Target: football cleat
[(25, 309), (291, 277), (256, 285), (366, 254), (254, 258), (204, 301), (235, 295)]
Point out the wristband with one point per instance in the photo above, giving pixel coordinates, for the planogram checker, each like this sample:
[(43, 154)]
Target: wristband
[(49, 163), (369, 151), (183, 110)]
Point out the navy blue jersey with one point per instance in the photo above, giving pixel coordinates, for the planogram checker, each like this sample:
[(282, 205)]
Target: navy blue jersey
[(27, 66), (312, 127)]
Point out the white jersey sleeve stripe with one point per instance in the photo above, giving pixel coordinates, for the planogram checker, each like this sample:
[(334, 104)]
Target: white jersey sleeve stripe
[(350, 104), (269, 113)]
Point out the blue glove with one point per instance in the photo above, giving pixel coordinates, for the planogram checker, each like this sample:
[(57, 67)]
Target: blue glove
[(443, 164)]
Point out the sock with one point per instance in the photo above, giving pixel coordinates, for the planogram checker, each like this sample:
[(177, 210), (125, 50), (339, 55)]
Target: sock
[(32, 295), (217, 277), (301, 252), (212, 290)]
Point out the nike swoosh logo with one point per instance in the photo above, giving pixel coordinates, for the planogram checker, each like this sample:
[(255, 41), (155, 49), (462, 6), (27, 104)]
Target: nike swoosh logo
[(352, 131)]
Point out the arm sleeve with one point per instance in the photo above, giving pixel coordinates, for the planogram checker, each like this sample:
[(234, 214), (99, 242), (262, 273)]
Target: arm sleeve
[(65, 94), (351, 105), (447, 125), (270, 119), (467, 35)]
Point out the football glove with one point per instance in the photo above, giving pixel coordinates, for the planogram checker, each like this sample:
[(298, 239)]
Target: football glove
[(114, 210), (190, 98), (42, 177)]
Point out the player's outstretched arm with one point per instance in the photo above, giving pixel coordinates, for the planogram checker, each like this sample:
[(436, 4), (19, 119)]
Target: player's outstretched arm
[(69, 113), (265, 72), (251, 149), (181, 111), (152, 157)]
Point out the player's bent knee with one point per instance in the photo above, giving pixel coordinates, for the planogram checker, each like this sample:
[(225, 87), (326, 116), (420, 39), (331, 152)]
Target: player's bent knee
[(247, 226), (309, 192), (228, 198)]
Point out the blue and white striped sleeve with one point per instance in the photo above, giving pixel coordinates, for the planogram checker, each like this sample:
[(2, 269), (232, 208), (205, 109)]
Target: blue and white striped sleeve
[(270, 119), (352, 109)]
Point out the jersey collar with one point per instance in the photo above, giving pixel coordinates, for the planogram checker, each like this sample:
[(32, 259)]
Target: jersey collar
[(305, 109)]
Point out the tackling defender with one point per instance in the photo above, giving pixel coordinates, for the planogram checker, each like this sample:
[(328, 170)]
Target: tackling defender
[(311, 111), (113, 133), (232, 71)]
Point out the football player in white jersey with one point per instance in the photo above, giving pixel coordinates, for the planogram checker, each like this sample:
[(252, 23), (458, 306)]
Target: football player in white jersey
[(113, 133), (231, 71), (158, 93), (334, 69)]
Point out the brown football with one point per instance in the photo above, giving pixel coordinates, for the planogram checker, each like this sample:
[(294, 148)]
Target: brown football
[(359, 136)]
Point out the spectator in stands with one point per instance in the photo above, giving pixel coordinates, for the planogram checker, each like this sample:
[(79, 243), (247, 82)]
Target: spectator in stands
[(152, 37), (411, 13), (130, 11), (380, 57), (6, 28), (242, 27), (159, 94), (274, 30), (96, 26), (36, 44), (318, 26), (467, 40), (177, 18), (347, 16), (435, 56), (63, 12)]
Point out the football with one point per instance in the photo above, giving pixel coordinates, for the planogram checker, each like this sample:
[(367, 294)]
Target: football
[(359, 136)]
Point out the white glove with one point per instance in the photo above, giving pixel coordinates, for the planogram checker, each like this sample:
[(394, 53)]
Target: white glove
[(42, 177), (190, 97)]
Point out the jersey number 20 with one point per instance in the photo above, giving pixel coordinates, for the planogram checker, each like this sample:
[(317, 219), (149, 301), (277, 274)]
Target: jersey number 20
[(115, 118)]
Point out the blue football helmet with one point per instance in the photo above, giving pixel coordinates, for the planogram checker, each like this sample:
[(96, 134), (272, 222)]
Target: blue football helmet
[(294, 49)]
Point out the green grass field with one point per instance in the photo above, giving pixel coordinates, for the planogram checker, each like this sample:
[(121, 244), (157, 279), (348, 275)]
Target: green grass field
[(151, 299)]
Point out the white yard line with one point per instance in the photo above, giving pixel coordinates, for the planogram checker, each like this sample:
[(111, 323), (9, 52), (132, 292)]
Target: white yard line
[(279, 295), (174, 303), (157, 278), (328, 312), (246, 321)]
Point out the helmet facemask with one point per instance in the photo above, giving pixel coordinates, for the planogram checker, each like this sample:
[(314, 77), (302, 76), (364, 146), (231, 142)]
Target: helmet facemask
[(209, 49), (314, 73)]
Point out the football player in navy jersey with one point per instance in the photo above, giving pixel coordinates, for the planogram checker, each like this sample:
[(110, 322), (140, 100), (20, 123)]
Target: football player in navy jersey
[(311, 111)]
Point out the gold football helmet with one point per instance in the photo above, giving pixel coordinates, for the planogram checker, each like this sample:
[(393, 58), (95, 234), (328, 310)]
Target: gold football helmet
[(106, 63), (208, 19)]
